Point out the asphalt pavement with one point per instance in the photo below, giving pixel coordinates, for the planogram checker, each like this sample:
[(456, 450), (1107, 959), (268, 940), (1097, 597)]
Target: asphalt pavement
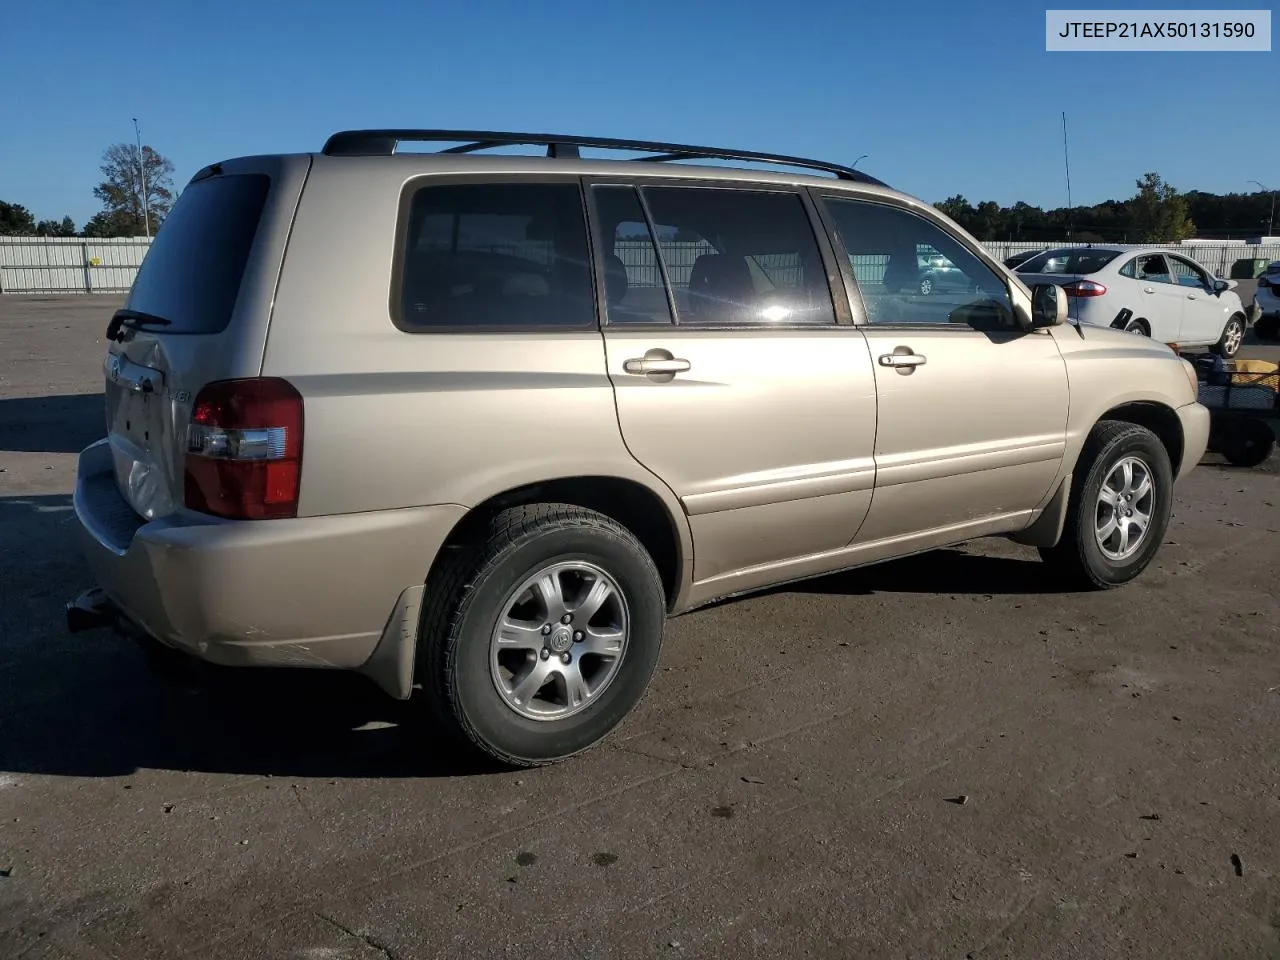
[(946, 756)]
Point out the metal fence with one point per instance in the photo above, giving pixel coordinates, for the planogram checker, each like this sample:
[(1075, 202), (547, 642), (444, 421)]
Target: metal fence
[(69, 264), (57, 265)]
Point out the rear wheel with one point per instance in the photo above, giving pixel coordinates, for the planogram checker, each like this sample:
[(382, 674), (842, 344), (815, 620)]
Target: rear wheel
[(1228, 344), (1121, 498), (1138, 327), (541, 635)]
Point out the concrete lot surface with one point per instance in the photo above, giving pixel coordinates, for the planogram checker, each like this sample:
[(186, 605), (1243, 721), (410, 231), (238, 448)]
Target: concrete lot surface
[(789, 788)]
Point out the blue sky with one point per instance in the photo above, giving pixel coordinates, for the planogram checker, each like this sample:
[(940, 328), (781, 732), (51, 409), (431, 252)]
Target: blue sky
[(945, 98)]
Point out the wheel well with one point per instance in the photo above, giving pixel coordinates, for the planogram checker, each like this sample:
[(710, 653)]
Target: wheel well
[(629, 503), (1157, 418)]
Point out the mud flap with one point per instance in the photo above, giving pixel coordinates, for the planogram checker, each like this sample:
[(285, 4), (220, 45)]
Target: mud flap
[(390, 665), (1046, 529)]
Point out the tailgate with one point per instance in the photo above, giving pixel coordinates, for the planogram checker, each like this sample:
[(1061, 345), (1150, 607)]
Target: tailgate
[(196, 313)]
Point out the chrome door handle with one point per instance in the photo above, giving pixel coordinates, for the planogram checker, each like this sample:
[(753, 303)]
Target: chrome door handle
[(902, 360), (1191, 296), (647, 365), (1147, 290)]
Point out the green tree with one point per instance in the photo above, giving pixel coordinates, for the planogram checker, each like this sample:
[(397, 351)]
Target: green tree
[(121, 192), (66, 227), (107, 224), (988, 219), (957, 208), (1158, 213), (16, 220)]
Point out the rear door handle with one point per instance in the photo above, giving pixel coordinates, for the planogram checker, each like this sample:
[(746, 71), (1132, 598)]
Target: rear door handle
[(1191, 296), (650, 365), (1147, 290), (902, 360)]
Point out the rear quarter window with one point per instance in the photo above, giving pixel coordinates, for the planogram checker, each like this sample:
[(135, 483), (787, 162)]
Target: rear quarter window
[(488, 255), (191, 275)]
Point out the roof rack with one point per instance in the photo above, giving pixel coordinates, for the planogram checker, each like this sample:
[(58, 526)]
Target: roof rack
[(382, 143)]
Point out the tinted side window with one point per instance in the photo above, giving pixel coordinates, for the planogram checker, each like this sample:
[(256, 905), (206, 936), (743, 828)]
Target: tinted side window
[(909, 270), (496, 254), (634, 290), (191, 275), (739, 256)]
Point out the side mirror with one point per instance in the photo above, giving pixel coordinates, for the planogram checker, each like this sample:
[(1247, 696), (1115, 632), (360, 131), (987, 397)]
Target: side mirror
[(1048, 305), (1222, 286)]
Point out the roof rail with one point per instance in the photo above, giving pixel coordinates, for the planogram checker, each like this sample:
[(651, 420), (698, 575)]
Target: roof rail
[(382, 143)]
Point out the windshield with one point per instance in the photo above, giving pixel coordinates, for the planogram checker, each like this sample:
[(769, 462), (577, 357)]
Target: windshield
[(1083, 261)]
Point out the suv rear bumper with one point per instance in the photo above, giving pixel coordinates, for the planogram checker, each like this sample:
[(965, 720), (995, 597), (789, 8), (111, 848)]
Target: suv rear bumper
[(305, 592)]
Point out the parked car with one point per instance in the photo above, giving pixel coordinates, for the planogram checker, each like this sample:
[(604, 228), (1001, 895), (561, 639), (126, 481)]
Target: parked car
[(475, 426), (1012, 262), (1158, 293), (1267, 325), (938, 274)]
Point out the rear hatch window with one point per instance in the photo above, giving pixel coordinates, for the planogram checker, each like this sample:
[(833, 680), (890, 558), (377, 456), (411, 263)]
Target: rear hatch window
[(1075, 262), (191, 275)]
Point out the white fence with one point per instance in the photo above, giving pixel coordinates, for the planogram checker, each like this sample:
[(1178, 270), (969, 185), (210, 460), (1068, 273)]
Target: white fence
[(57, 265), (69, 264)]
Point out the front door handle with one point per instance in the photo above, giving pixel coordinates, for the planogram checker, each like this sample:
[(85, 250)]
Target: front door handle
[(1147, 290), (1191, 296), (902, 360), (657, 364), (646, 365)]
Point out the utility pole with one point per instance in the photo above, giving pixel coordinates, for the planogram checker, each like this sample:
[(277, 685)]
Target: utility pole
[(1271, 220), (1066, 162), (142, 170)]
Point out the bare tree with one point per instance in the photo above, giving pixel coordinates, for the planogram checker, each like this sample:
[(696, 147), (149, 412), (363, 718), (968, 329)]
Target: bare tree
[(121, 191)]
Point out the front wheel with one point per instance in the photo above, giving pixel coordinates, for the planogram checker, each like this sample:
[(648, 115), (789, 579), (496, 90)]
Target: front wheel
[(1228, 344), (1121, 499), (1138, 328), (541, 635)]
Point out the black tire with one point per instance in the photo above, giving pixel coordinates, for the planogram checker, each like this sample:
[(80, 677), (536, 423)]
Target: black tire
[(465, 598), (1138, 328), (1232, 332), (1077, 555), (1248, 443), (1267, 328)]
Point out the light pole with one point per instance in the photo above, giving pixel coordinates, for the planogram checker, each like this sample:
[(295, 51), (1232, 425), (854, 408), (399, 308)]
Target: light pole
[(142, 170), (1271, 220)]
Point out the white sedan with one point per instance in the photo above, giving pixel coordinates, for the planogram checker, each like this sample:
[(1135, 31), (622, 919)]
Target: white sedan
[(1156, 292)]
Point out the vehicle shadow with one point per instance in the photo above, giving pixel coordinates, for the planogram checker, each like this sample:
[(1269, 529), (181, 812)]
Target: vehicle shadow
[(88, 705), (62, 424), (943, 571)]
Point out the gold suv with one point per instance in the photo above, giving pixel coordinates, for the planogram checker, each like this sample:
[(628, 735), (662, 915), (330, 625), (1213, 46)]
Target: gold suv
[(476, 425)]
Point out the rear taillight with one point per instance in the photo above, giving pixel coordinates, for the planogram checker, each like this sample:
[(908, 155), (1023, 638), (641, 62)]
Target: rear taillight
[(244, 450), (1084, 288)]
